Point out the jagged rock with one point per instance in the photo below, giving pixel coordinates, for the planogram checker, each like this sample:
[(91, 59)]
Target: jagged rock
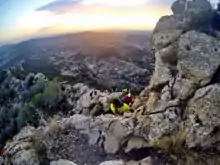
[(24, 134), (21, 150), (163, 39), (169, 28), (183, 88), (110, 132), (203, 118), (198, 57), (62, 162), (195, 7), (186, 60), (179, 7), (39, 77), (165, 59), (136, 143), (90, 101), (167, 121), (116, 134)]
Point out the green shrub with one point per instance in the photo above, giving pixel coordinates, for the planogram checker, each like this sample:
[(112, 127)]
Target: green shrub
[(43, 96), (27, 115), (52, 94), (50, 97), (37, 100)]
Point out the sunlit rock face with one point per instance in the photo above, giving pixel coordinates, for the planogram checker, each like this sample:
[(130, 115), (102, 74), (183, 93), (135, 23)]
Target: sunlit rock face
[(185, 80)]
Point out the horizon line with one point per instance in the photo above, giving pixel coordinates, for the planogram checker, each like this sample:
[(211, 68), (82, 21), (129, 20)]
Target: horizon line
[(19, 40)]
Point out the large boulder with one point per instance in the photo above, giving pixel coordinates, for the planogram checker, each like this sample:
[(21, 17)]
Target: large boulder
[(21, 150), (197, 7), (187, 15), (198, 57), (204, 118)]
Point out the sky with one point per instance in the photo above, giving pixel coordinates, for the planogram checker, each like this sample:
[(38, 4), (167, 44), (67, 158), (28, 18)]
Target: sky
[(20, 19)]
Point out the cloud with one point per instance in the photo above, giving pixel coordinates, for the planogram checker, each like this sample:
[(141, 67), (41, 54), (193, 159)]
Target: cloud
[(63, 6), (60, 6), (161, 2), (117, 3)]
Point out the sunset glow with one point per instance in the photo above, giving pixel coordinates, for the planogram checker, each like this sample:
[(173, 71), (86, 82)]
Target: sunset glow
[(88, 15)]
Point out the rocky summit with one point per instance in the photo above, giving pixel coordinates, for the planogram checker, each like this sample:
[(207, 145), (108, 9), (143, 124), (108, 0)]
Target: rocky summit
[(176, 117)]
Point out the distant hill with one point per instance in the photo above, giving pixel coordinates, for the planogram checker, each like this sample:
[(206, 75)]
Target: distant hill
[(106, 57)]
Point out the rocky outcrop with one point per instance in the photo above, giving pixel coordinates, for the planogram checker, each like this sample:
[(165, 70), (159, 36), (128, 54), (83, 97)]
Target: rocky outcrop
[(85, 140), (187, 15), (183, 92), (198, 57), (203, 118), (89, 101), (109, 131), (21, 151)]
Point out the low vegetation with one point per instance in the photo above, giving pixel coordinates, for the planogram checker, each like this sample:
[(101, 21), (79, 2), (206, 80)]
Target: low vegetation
[(23, 105)]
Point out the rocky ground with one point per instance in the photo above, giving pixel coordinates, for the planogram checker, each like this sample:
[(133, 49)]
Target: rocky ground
[(176, 118)]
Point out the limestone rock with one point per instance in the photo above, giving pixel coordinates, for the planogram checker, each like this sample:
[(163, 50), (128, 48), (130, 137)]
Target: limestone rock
[(204, 117), (116, 134), (198, 57), (136, 143), (25, 133), (90, 101), (183, 88), (168, 122), (141, 99), (165, 60), (187, 15), (162, 39), (109, 131), (198, 7), (21, 150), (179, 7)]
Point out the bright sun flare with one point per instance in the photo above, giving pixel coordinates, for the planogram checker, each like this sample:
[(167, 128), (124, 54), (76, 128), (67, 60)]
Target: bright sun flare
[(93, 17)]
